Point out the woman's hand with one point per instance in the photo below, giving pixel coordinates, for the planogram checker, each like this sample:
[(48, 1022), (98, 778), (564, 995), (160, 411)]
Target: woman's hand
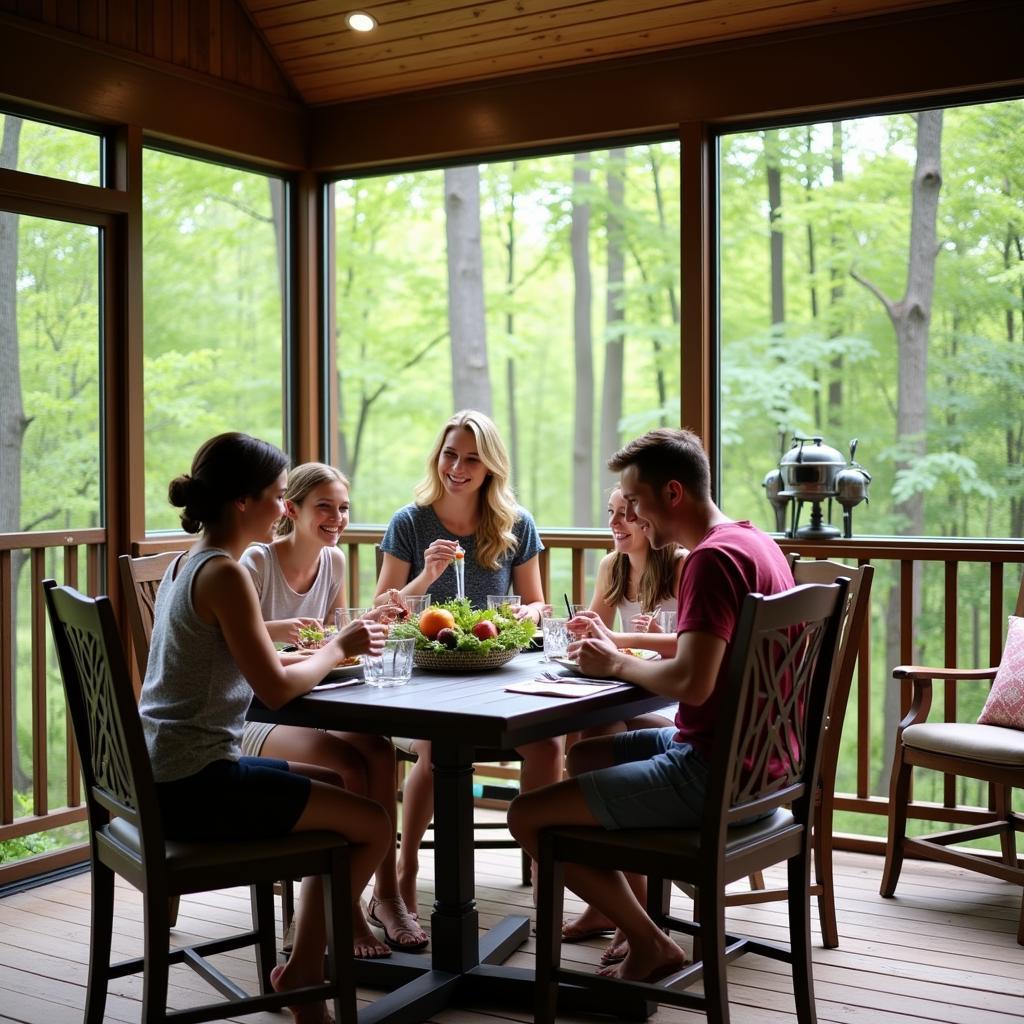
[(437, 558), (535, 611), (286, 631), (361, 636), (588, 623)]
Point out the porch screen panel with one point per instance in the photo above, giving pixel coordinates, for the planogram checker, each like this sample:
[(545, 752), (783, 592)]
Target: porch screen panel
[(213, 273)]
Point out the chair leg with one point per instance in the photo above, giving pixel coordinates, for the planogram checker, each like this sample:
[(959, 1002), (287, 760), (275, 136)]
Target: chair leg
[(710, 939), (899, 793), (550, 896), (526, 868), (157, 967), (1002, 803), (99, 942), (173, 905), (756, 880), (799, 879), (261, 899), (338, 921), (821, 839)]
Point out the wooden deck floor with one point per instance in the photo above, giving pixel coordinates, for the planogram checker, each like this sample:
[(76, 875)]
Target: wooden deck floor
[(944, 950)]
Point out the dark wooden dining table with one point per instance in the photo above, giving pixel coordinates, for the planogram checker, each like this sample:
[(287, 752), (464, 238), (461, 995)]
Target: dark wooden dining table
[(461, 715)]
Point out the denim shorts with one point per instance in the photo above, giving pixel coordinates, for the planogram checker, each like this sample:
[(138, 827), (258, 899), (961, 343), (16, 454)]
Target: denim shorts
[(655, 782), (251, 798)]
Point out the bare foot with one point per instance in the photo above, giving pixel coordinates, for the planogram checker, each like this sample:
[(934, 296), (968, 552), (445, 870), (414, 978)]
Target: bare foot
[(650, 964), (365, 944), (589, 925), (617, 950), (304, 1013)]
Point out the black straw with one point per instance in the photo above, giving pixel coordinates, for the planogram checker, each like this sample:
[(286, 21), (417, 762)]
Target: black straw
[(568, 607)]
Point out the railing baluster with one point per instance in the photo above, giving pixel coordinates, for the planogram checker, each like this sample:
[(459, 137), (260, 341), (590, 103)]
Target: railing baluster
[(6, 690), (949, 700), (578, 555), (353, 576), (40, 757), (864, 706), (73, 772)]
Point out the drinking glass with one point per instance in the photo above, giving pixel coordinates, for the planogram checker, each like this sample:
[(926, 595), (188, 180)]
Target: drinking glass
[(666, 621), (393, 667), (497, 600), (344, 616), (417, 603), (556, 636)]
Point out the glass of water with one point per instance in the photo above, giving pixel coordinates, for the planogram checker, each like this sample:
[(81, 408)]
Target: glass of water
[(556, 636), (344, 616), (497, 600), (393, 666), (417, 603)]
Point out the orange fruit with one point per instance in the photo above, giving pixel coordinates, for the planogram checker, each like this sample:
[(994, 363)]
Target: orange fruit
[(433, 620)]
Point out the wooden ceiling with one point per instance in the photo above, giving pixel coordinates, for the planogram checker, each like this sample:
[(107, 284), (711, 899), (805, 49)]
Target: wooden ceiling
[(422, 44)]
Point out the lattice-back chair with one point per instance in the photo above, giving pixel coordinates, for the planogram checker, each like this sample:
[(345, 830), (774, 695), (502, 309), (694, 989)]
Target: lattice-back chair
[(140, 578), (858, 596), (126, 838), (991, 753), (496, 762), (778, 681)]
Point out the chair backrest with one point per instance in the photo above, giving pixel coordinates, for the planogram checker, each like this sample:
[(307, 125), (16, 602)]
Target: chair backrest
[(104, 715), (140, 578), (772, 712), (858, 597)]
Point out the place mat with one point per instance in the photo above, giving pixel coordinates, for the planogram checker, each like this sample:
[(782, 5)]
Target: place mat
[(550, 688)]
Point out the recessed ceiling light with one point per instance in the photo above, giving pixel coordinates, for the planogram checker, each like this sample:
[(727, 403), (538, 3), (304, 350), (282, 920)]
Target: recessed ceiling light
[(360, 21)]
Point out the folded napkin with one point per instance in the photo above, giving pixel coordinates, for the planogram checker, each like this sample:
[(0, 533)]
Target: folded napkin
[(551, 688), (336, 685)]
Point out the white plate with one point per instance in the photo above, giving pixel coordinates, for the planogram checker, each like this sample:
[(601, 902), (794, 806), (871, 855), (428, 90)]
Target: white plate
[(637, 652), (346, 672)]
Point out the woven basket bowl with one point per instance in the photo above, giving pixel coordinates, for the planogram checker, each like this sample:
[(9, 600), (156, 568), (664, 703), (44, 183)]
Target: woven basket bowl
[(461, 661)]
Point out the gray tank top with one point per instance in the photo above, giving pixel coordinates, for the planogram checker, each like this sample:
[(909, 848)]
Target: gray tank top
[(194, 698), (628, 610)]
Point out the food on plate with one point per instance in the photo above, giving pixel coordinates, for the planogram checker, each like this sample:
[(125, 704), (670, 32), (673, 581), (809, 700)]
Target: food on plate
[(641, 652), (456, 626), (312, 637), (485, 630), (346, 662), (433, 619)]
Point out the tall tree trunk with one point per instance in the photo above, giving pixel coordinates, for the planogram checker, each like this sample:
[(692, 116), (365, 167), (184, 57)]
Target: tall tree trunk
[(812, 268), (583, 427), (673, 301), (835, 385), (471, 381), (773, 175), (615, 314), (510, 328), (911, 318), (13, 421)]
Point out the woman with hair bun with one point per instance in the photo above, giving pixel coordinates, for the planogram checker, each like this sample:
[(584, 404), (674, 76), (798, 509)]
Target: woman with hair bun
[(210, 652), (464, 501), (300, 580)]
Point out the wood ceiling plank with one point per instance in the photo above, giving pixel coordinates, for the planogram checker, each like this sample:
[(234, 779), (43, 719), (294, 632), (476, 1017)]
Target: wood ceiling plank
[(467, 31), (395, 10), (648, 32)]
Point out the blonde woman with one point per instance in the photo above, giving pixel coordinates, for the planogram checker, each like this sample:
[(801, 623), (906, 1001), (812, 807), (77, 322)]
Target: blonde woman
[(464, 500), (300, 580)]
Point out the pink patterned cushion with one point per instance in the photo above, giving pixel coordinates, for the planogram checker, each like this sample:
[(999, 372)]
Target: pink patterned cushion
[(1005, 704)]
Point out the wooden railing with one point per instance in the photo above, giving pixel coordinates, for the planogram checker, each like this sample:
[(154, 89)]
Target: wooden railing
[(25, 560), (566, 565)]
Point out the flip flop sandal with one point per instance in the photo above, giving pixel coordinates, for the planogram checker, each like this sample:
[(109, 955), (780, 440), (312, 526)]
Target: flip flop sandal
[(586, 934), (396, 901)]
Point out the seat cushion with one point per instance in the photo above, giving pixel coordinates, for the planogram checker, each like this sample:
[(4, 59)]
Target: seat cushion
[(1005, 704), (990, 743)]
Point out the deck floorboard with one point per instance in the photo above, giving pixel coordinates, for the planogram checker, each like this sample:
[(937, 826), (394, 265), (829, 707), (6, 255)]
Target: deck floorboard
[(943, 951)]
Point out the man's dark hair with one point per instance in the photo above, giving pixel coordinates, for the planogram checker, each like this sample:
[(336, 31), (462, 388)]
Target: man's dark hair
[(666, 454)]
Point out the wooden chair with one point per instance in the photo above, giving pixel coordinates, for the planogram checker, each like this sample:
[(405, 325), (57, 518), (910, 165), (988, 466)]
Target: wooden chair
[(140, 578), (990, 753), (126, 838), (858, 596), (791, 635)]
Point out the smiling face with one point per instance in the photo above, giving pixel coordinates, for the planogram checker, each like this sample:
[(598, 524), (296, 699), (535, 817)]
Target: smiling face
[(459, 466), (627, 535), (323, 513), (648, 509)]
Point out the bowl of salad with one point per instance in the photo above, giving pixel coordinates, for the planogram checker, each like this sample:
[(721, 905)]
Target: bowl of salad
[(453, 637)]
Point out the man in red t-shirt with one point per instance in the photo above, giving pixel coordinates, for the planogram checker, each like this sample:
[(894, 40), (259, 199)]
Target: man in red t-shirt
[(654, 778)]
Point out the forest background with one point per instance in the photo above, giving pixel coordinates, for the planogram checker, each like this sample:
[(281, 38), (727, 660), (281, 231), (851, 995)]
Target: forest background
[(871, 278)]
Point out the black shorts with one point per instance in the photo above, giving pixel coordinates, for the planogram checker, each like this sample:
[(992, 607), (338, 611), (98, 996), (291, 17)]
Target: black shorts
[(251, 798)]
